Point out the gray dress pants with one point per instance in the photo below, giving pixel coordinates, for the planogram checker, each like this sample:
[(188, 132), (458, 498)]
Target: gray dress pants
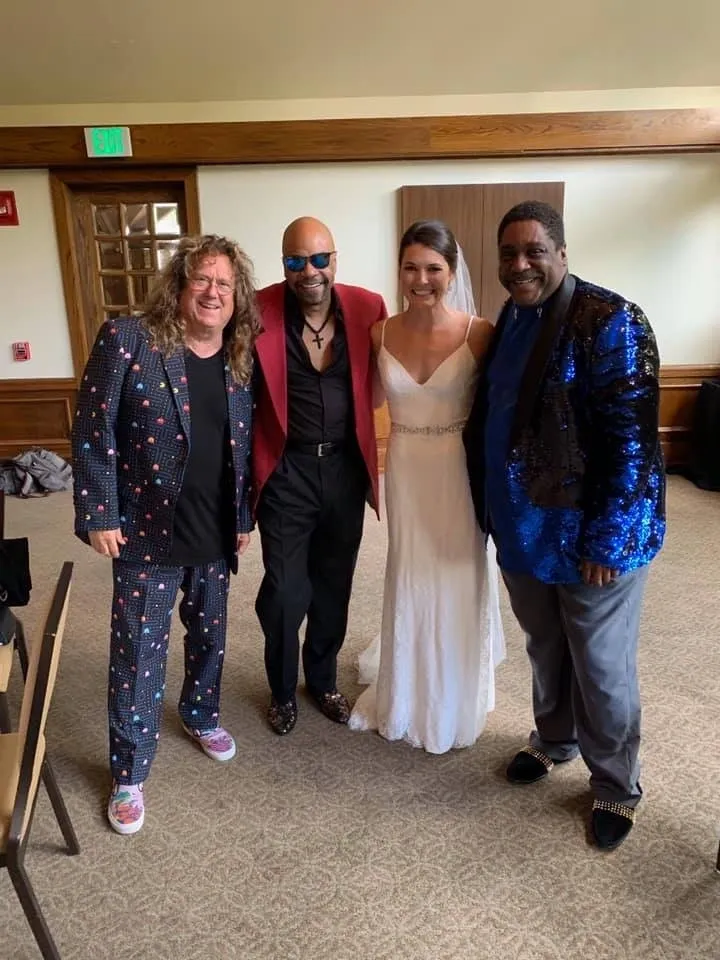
[(582, 643)]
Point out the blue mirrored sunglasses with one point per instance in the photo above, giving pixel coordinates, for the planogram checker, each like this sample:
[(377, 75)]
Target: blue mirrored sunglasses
[(317, 260)]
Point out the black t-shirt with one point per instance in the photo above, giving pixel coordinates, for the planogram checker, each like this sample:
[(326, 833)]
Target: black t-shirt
[(203, 530)]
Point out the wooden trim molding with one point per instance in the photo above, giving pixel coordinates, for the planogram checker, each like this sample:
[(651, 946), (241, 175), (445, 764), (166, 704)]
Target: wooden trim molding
[(376, 138), (61, 197), (36, 413), (684, 375), (186, 178)]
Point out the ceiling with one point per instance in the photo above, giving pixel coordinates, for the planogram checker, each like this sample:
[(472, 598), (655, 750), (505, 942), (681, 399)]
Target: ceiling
[(161, 51)]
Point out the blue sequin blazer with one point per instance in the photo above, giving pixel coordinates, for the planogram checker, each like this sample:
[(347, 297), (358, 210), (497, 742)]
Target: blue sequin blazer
[(131, 439), (584, 469)]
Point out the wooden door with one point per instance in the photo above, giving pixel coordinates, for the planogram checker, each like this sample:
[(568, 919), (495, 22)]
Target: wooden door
[(116, 234)]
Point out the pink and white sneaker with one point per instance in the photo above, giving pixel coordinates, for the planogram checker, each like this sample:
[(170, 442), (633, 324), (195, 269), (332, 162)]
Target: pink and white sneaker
[(217, 744), (126, 808)]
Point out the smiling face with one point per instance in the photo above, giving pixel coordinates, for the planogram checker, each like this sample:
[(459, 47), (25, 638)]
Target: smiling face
[(531, 266), (311, 284), (207, 300), (425, 276)]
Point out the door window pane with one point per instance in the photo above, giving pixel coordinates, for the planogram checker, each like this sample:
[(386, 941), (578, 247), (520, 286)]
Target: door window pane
[(110, 255), (114, 290), (165, 250), (140, 255), (136, 218), (106, 218), (166, 219), (140, 289)]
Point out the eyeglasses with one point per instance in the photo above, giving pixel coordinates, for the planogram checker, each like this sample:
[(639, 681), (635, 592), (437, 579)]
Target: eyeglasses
[(224, 287), (318, 260)]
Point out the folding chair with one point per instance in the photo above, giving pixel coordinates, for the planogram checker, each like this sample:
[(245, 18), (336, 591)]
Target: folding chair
[(22, 756), (13, 625)]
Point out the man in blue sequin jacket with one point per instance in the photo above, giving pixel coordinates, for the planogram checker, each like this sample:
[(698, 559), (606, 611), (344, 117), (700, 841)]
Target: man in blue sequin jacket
[(567, 476)]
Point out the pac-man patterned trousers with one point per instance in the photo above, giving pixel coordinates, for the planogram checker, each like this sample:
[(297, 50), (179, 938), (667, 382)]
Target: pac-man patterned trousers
[(144, 597)]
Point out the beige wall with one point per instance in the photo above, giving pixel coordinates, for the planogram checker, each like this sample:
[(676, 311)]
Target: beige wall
[(31, 295), (647, 226)]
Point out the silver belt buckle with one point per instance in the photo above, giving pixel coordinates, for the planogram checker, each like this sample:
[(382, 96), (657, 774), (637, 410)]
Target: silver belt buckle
[(320, 449)]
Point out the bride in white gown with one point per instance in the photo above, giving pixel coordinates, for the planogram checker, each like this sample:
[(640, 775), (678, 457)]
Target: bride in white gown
[(431, 670)]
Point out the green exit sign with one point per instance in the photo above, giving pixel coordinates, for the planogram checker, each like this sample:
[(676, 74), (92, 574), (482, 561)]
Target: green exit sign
[(108, 141)]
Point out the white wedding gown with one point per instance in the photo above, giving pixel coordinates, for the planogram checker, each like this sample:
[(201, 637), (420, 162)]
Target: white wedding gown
[(432, 669)]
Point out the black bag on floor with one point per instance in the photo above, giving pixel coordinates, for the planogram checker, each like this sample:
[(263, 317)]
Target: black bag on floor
[(15, 580), (704, 467)]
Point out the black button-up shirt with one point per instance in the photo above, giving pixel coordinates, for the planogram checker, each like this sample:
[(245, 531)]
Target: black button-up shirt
[(319, 403)]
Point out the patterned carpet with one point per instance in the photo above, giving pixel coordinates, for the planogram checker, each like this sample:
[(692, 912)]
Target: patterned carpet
[(331, 845)]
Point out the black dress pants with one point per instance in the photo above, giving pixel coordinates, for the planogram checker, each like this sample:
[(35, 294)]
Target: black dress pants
[(310, 519)]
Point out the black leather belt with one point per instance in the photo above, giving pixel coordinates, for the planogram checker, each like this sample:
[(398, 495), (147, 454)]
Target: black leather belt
[(317, 449)]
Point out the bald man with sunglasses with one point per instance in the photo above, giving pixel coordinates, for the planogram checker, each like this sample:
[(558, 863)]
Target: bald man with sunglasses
[(314, 465)]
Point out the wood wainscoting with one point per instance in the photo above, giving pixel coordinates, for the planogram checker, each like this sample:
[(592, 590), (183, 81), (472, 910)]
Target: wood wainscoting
[(39, 413), (36, 413), (679, 386)]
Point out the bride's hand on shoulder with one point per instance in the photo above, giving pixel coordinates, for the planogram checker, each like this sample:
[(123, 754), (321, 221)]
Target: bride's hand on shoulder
[(480, 337)]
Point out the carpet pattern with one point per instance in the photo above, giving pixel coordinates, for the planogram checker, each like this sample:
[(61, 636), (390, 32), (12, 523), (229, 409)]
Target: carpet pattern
[(332, 845)]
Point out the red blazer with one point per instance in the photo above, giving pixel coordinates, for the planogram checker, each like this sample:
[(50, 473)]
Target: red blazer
[(360, 309)]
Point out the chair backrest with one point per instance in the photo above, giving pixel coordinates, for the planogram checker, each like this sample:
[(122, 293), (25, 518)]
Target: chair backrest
[(39, 686), (8, 633), (6, 663), (6, 651)]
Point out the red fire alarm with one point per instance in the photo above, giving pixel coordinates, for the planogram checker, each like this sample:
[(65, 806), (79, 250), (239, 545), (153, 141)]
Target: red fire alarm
[(8, 209), (21, 350)]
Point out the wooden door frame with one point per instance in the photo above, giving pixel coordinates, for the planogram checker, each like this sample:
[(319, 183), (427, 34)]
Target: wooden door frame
[(62, 183)]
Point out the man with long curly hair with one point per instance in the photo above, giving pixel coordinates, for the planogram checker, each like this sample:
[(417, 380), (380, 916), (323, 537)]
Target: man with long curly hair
[(160, 454)]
